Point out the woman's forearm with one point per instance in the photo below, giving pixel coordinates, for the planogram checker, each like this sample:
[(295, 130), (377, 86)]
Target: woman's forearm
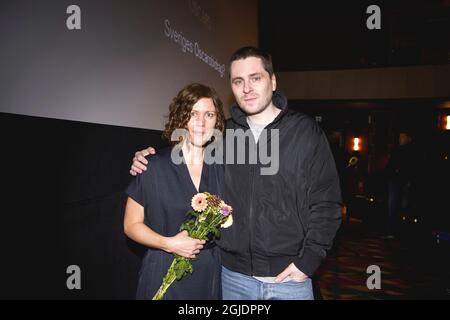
[(142, 234), (135, 228)]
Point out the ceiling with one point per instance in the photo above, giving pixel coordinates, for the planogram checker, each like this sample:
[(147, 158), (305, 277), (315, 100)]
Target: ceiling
[(328, 35)]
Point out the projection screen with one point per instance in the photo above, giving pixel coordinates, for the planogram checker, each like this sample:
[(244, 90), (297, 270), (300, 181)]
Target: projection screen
[(124, 64)]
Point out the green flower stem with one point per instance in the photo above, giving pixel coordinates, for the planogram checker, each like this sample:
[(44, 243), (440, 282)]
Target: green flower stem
[(214, 222), (168, 279), (181, 266), (196, 232)]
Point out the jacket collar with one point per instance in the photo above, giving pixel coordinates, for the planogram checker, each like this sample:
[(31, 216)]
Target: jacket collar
[(278, 99)]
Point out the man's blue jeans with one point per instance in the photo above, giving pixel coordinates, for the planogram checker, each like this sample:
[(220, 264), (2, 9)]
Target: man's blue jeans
[(238, 286)]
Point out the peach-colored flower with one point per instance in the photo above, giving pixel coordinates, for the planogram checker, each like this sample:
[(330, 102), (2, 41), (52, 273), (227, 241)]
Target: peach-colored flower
[(199, 202)]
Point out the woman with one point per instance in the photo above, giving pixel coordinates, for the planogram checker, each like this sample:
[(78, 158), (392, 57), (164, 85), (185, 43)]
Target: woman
[(160, 197)]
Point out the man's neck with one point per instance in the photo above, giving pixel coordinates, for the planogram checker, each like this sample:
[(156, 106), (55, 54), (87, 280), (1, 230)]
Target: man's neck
[(265, 117)]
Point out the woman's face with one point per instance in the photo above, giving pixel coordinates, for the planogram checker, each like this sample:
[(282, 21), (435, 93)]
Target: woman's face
[(202, 122)]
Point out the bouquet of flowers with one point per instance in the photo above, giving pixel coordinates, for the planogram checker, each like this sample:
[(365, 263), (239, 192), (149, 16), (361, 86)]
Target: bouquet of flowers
[(211, 213)]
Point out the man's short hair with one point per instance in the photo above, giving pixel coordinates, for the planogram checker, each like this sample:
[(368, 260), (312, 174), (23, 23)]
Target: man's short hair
[(247, 52)]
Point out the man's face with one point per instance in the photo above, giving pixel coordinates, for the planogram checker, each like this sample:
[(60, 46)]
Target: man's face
[(252, 85)]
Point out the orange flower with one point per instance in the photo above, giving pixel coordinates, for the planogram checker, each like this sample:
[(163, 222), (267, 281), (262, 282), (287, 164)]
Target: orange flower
[(199, 202)]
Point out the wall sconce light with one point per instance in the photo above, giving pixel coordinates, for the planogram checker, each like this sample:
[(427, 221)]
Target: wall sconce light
[(444, 122), (356, 144)]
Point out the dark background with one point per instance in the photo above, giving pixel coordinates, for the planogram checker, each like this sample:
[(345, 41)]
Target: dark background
[(331, 35), (63, 185)]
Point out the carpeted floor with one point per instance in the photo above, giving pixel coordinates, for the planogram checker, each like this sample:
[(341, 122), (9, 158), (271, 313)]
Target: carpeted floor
[(411, 268)]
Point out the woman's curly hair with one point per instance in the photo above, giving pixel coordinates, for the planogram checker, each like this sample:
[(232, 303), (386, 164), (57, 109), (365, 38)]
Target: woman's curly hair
[(181, 107)]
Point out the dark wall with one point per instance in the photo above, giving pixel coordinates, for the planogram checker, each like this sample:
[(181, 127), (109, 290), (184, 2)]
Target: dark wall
[(63, 197), (378, 123), (327, 35)]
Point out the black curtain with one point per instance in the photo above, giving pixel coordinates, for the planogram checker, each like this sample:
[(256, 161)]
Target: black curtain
[(63, 204)]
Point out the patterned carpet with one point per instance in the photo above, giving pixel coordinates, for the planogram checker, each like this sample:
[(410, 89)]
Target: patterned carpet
[(410, 268)]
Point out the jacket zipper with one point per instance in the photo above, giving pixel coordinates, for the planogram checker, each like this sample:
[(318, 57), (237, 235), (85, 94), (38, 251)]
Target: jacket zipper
[(250, 218), (252, 176)]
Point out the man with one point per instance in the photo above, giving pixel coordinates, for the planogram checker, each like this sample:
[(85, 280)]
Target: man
[(284, 222), (400, 175)]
